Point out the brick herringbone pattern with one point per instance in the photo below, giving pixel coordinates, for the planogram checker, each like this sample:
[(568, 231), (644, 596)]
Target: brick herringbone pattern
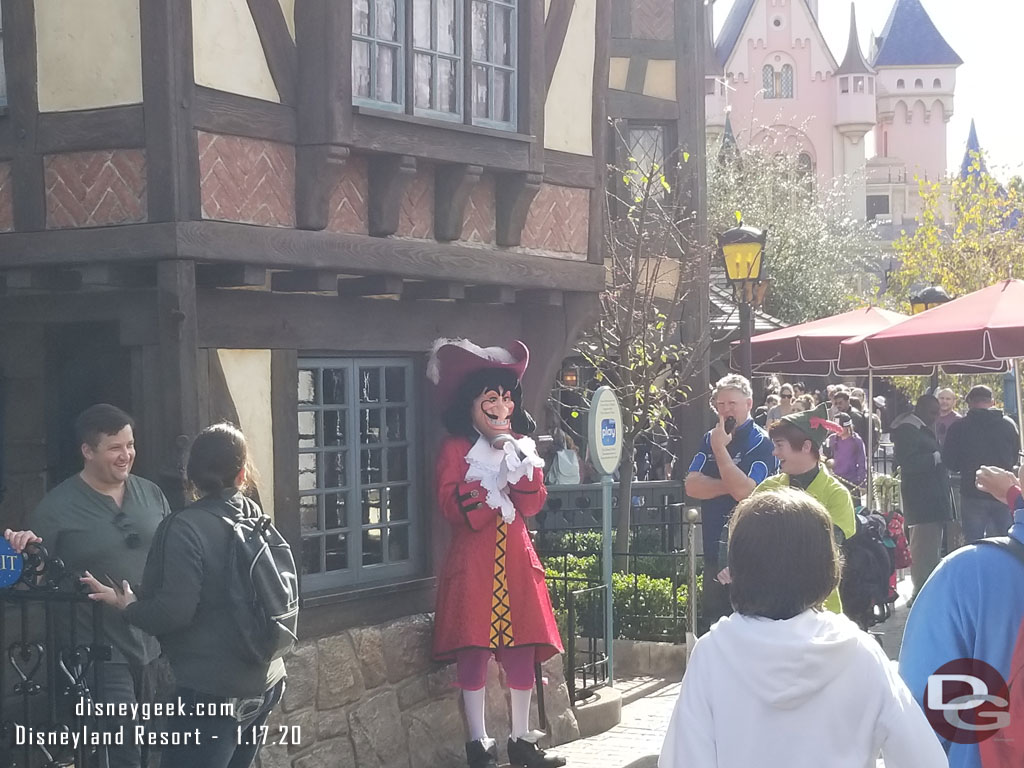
[(653, 19), (347, 210), (559, 220), (6, 198), (478, 222), (95, 189), (417, 216), (247, 180)]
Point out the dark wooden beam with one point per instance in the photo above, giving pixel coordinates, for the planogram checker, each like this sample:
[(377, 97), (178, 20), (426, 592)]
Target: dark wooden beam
[(284, 384), (278, 47), (118, 275), (23, 104), (636, 106), (622, 19), (221, 112), (168, 84), (433, 290), (569, 170), (230, 275), (636, 75), (218, 241), (540, 297), (513, 195), (304, 281), (453, 185), (555, 28), (44, 279), (491, 294), (377, 131), (323, 37), (91, 129), (624, 48), (374, 285), (388, 175), (178, 356), (599, 128), (533, 70), (317, 170)]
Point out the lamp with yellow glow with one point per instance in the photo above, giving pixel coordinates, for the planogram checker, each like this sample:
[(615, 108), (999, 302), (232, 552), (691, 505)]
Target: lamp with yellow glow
[(927, 298), (742, 251)]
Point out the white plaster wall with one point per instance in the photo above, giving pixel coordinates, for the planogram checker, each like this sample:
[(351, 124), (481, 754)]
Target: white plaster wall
[(227, 52), (247, 373), (288, 6), (88, 54), (569, 108), (660, 80)]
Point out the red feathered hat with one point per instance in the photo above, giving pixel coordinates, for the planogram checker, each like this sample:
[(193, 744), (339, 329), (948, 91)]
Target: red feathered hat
[(452, 360)]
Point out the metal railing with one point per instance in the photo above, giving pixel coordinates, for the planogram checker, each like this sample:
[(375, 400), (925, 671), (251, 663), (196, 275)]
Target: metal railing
[(49, 665)]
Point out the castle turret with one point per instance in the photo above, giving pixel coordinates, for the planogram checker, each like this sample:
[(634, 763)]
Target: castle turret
[(916, 79), (855, 116)]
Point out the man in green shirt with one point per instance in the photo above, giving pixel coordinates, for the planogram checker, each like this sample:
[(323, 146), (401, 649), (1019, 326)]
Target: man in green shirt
[(798, 438), (102, 520)]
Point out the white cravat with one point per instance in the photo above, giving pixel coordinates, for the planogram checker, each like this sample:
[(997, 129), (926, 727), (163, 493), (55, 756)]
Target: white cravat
[(498, 468)]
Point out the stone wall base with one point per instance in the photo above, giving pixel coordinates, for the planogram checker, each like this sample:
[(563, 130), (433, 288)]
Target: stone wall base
[(373, 698)]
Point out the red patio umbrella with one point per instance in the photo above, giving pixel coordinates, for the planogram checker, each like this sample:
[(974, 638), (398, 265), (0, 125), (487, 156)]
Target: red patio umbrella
[(812, 348), (984, 327)]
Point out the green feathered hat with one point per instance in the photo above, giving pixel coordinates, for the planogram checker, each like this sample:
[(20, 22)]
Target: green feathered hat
[(814, 423)]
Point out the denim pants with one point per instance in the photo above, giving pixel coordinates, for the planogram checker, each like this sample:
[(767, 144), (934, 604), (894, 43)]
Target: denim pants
[(983, 517), (221, 743)]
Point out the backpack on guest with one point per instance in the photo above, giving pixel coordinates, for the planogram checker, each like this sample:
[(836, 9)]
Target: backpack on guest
[(263, 587), (867, 567)]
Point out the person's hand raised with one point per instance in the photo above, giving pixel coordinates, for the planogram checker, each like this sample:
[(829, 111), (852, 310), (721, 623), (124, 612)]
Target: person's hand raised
[(995, 481), (21, 539)]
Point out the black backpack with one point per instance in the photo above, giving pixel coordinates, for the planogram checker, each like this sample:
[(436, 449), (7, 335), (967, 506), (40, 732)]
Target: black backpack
[(263, 587), (867, 567)]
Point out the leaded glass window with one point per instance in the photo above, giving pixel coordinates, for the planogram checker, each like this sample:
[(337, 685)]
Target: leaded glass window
[(377, 51), (768, 81), (786, 90)]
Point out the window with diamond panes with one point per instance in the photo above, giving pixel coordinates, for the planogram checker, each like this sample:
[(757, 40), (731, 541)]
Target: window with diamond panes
[(357, 485), (378, 66), (768, 81), (647, 148), (786, 89)]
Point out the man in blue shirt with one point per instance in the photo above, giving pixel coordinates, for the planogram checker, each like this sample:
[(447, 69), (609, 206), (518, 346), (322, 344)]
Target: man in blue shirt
[(735, 456)]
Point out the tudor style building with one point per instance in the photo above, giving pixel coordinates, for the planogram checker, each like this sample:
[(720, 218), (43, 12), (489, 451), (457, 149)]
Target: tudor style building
[(266, 210)]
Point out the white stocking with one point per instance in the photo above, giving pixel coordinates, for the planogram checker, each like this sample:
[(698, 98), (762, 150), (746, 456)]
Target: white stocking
[(475, 702), (520, 712)]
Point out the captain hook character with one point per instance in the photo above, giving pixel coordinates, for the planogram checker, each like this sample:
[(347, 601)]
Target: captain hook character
[(492, 598)]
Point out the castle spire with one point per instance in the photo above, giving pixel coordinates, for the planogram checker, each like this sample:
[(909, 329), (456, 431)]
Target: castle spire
[(854, 63), (973, 153)]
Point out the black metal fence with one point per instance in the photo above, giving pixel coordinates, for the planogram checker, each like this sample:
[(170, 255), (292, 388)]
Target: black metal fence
[(654, 582), (49, 666)]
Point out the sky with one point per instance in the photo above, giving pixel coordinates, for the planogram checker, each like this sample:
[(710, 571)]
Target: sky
[(988, 36)]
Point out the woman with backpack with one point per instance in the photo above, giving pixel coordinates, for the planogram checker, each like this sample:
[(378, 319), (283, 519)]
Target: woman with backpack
[(187, 601), (782, 683)]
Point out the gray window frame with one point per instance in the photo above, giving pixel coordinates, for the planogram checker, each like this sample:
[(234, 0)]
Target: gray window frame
[(3, 70), (374, 43), (358, 574)]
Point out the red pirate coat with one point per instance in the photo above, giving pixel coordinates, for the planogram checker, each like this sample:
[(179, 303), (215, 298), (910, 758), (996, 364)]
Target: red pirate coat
[(465, 597)]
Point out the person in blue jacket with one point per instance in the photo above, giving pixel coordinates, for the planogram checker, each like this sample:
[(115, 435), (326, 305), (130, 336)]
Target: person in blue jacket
[(972, 607)]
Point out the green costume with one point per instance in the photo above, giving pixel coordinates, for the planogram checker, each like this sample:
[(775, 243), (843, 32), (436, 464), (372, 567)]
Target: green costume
[(824, 488)]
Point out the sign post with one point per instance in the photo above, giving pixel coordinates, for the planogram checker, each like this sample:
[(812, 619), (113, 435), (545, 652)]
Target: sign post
[(604, 434)]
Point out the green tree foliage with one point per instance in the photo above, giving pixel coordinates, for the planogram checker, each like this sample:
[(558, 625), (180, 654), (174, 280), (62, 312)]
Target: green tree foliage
[(818, 256), (967, 238)]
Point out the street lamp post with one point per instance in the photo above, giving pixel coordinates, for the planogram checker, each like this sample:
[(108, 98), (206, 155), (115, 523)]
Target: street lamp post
[(922, 300), (742, 251)]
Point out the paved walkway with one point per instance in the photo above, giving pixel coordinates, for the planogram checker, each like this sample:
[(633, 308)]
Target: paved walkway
[(636, 741)]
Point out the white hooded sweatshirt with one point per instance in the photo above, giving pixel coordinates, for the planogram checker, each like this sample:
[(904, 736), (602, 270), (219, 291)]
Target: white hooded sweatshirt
[(809, 692)]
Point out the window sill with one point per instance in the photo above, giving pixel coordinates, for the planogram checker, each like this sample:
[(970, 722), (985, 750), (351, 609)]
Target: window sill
[(329, 612), (448, 125)]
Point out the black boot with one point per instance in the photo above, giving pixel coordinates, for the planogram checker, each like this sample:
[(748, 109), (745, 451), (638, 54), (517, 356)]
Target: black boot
[(526, 754), (478, 757)]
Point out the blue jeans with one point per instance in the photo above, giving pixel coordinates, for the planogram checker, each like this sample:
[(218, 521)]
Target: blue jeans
[(983, 517), (221, 744)]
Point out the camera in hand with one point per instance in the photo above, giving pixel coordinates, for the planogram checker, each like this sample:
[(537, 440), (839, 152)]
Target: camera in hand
[(730, 425)]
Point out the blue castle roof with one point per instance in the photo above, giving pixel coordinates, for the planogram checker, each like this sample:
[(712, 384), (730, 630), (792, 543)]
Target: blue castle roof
[(967, 169), (910, 39), (731, 30)]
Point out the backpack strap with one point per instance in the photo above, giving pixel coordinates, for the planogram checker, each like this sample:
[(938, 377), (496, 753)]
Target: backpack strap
[(1007, 544)]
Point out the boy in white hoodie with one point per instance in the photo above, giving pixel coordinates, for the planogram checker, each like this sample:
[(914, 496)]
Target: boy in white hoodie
[(781, 683)]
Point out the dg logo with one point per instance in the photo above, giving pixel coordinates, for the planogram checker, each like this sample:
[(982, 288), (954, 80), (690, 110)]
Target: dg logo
[(967, 701)]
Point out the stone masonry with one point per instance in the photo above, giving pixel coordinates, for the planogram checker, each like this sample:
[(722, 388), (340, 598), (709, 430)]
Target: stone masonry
[(372, 697)]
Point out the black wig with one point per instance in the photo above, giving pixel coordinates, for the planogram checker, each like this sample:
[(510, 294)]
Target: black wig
[(458, 419)]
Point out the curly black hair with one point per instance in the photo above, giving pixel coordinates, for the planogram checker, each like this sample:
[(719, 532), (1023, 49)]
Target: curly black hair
[(458, 419)]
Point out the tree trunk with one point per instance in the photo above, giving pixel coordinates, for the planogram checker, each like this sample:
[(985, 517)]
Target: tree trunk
[(622, 518)]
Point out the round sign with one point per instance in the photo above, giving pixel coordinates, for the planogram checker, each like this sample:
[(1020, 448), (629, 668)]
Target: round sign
[(10, 565), (967, 701), (605, 431)]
